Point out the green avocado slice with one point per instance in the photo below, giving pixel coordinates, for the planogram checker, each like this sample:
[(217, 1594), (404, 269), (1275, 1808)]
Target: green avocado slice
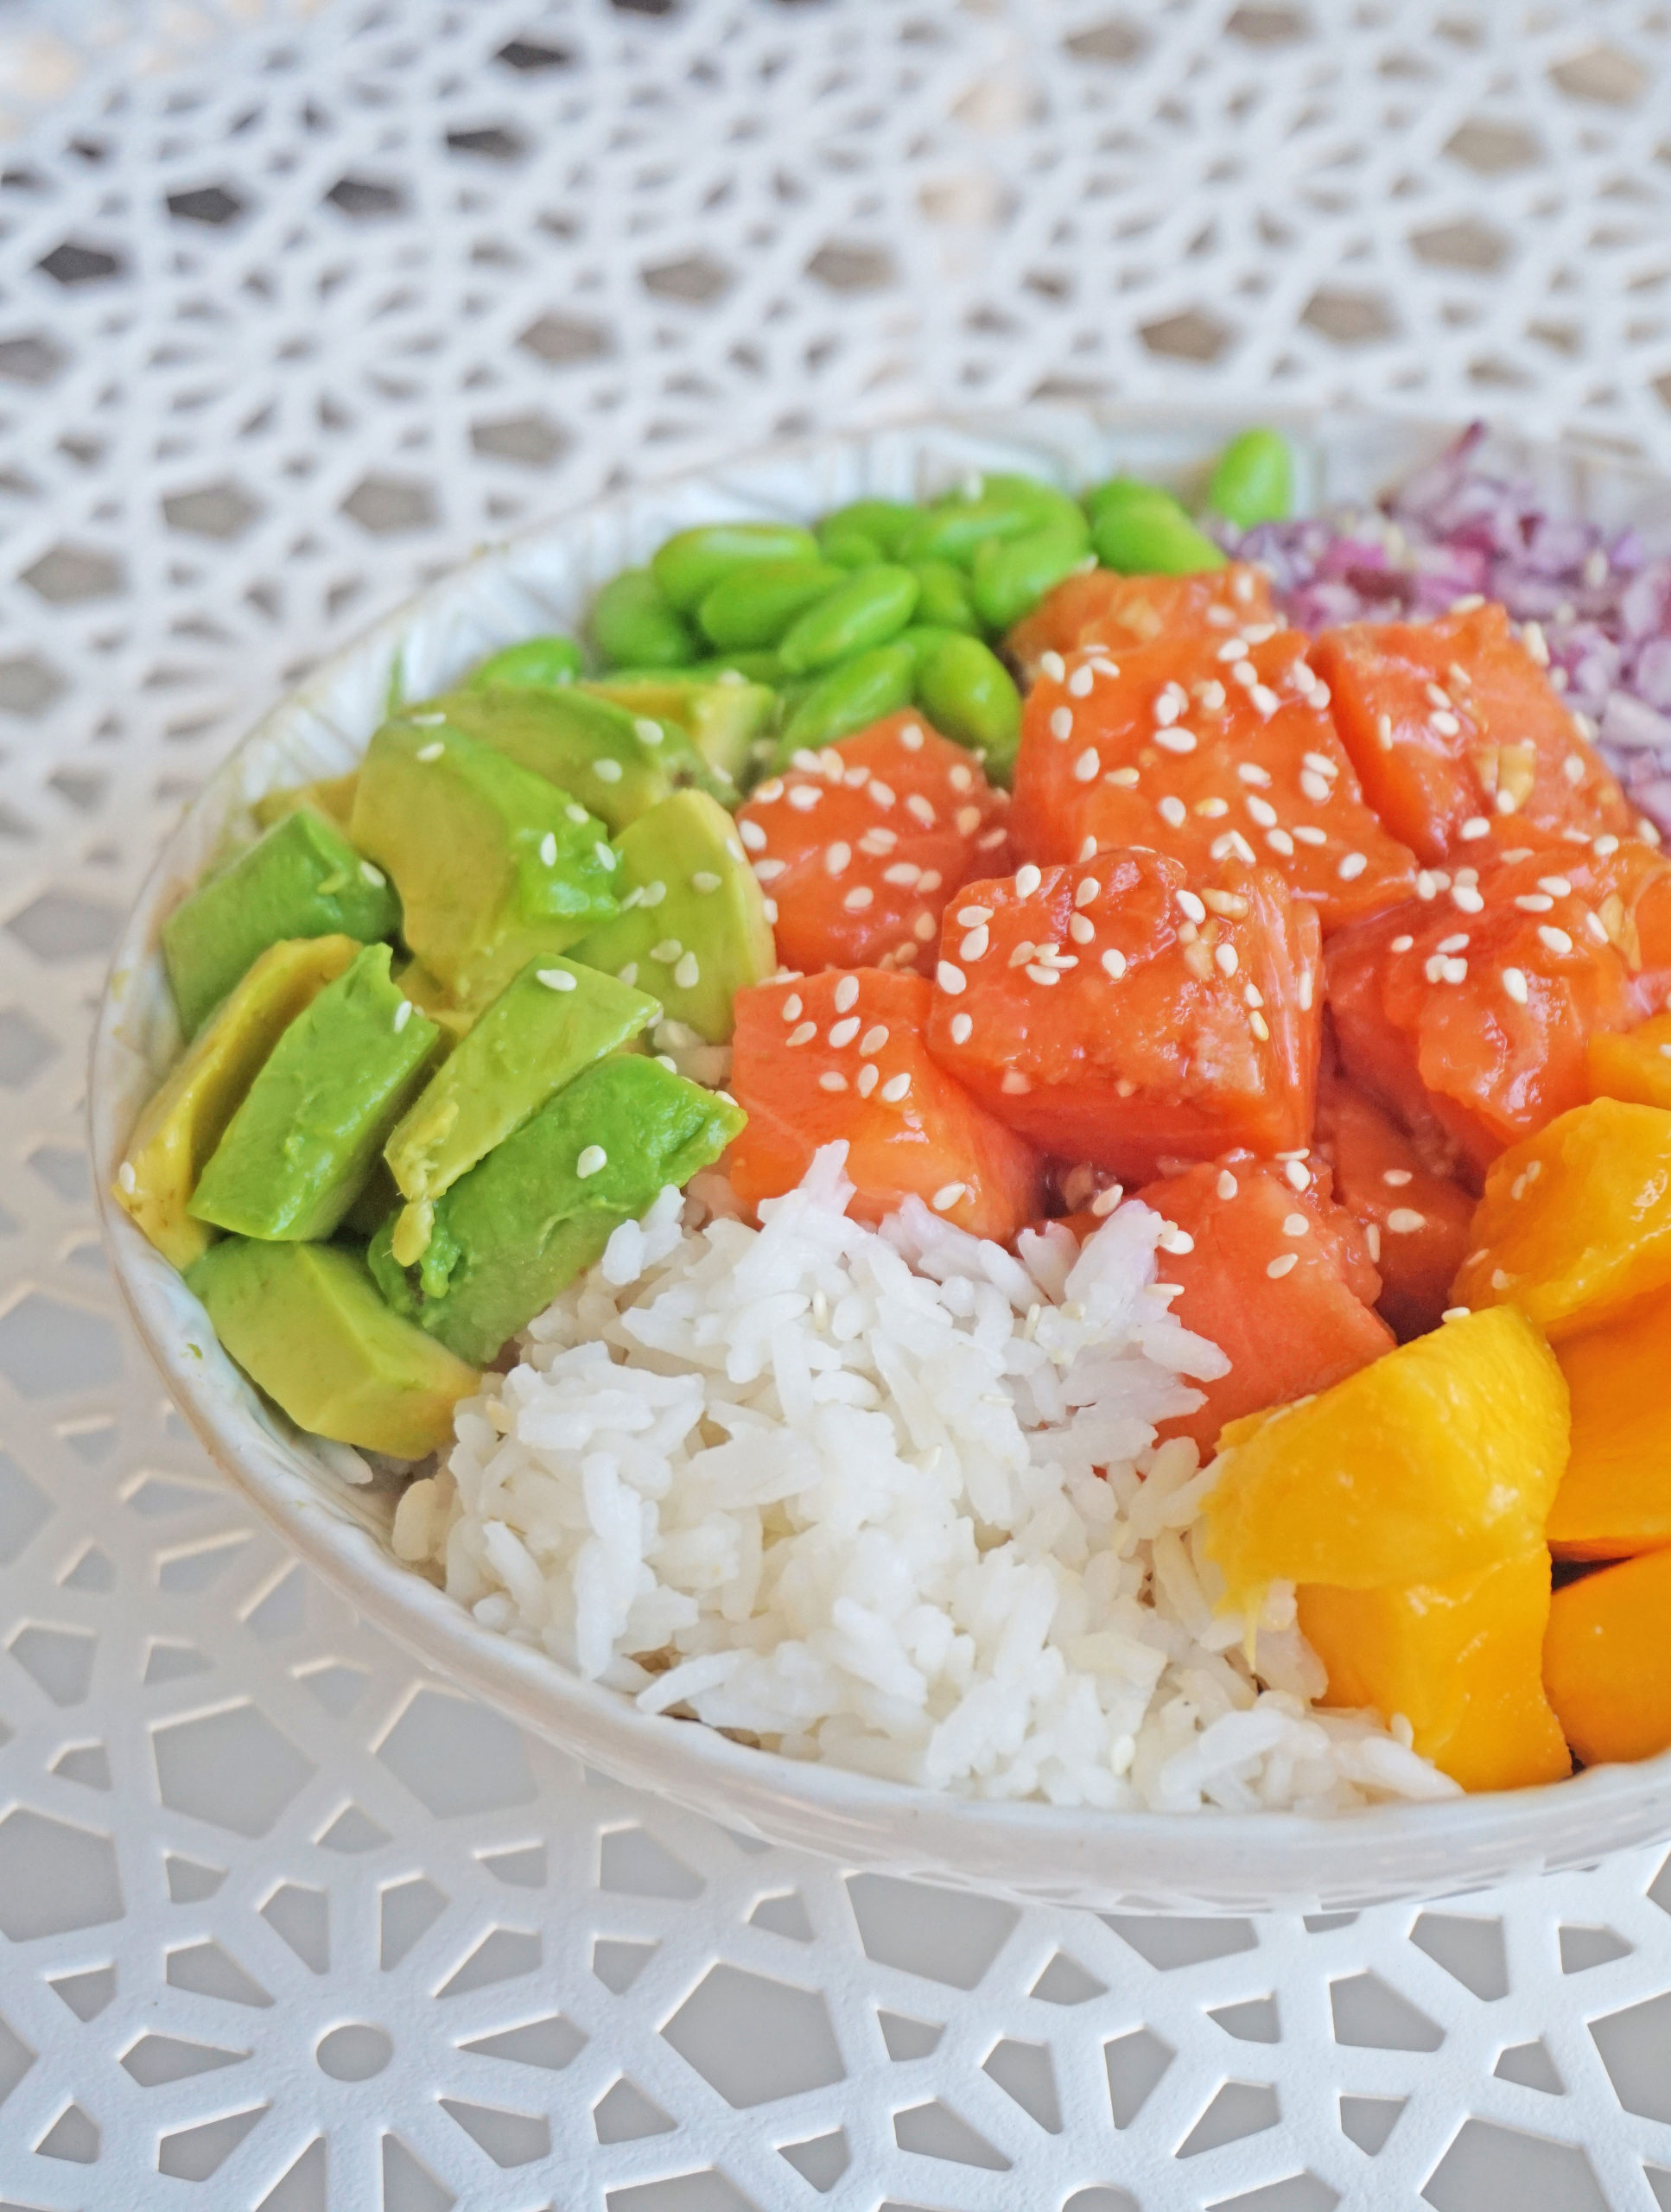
[(618, 763), (547, 1025), (302, 878), (297, 1152), (692, 926), (495, 865), (307, 1325), (515, 1230), (722, 715)]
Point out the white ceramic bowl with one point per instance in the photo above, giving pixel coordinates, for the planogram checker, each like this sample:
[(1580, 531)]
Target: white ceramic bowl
[(543, 581)]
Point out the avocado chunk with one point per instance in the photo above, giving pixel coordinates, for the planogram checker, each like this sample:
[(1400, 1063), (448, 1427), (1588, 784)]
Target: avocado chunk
[(722, 715), (431, 996), (619, 764), (542, 1205), (184, 1121), (298, 1150), (692, 927), (544, 1028), (307, 1325), (332, 796), (302, 878), (540, 661), (495, 865)]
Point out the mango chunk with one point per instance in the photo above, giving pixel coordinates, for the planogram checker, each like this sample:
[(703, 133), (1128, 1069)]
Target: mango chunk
[(1607, 1660), (1634, 1064), (1575, 1223), (184, 1121), (1435, 1461), (331, 795), (1614, 1498), (1462, 1661)]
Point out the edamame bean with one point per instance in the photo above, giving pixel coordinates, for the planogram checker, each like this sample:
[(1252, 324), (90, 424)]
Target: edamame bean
[(851, 696), (1005, 506), (966, 692), (635, 627), (867, 609), (1127, 491), (753, 667), (925, 638), (883, 522), (544, 663), (1010, 575), (942, 596), (755, 604), (1254, 479), (1142, 537), (690, 565), (849, 549)]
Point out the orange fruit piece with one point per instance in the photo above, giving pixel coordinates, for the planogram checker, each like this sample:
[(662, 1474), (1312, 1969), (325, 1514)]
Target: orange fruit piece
[(1607, 1660)]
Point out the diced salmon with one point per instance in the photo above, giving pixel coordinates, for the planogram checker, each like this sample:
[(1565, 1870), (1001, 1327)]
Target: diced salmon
[(1100, 607), (1414, 1220)]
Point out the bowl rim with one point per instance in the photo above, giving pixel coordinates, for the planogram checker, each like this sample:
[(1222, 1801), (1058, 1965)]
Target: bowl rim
[(1028, 1849)]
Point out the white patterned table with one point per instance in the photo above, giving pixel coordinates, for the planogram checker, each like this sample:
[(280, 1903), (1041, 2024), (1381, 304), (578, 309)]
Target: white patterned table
[(295, 305)]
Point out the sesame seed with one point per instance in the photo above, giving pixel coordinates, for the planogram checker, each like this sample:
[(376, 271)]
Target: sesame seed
[(429, 752), (963, 1028), (765, 871), (843, 1033), (591, 1160), (1088, 767), (866, 1079), (652, 894), (606, 857), (648, 732), (1555, 940), (1189, 904), (1308, 835), (947, 1197), (804, 1035), (1262, 811), (1604, 848), (1232, 649), (923, 929), (628, 975), (548, 849), (576, 813), (873, 1040), (1040, 974), (875, 842), (1176, 740), (904, 874), (1299, 1175), (1444, 725), (919, 809), (1122, 779), (1080, 682), (967, 821), (790, 1008), (1457, 943), (1251, 773), (1212, 808), (751, 832), (607, 771), (1557, 886), (802, 796), (951, 980), (1284, 1264), (910, 736), (1475, 826), (881, 794), (1087, 847), (896, 1088), (859, 898), (1572, 768), (976, 944), (1351, 866), (1534, 902), (1426, 885), (1260, 1027), (766, 792), (1061, 722), (1082, 929), (1404, 1221), (1053, 665), (1252, 995), (1264, 699), (1395, 1177), (846, 995), (1175, 1240), (1169, 703), (1294, 1224), (127, 1179), (374, 876), (831, 1080), (1372, 1240), (1458, 1312), (1227, 1186), (427, 721), (1595, 927), (1114, 963), (837, 856), (1303, 992), (555, 979), (1384, 732), (1280, 841), (1466, 899), (1400, 944), (1028, 879), (666, 952), (1171, 811), (1227, 957)]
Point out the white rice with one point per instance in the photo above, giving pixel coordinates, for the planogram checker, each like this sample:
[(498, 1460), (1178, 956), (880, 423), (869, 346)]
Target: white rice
[(890, 1499)]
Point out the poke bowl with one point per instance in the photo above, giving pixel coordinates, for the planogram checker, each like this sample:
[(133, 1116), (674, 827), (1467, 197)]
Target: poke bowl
[(353, 1514)]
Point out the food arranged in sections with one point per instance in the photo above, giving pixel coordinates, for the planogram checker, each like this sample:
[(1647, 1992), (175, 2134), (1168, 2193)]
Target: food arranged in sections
[(1015, 841)]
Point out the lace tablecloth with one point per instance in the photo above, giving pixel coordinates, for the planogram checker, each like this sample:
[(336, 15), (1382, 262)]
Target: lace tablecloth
[(299, 303)]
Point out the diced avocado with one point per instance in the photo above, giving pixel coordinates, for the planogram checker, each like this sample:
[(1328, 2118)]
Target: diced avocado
[(431, 996), (331, 795), (510, 1234), (618, 763), (297, 1152), (375, 1200), (302, 878), (307, 1325), (722, 716), (692, 927), (553, 1021), (184, 1121), (495, 865)]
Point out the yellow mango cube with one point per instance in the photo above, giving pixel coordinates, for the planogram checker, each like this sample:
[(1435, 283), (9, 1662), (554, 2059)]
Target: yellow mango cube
[(1614, 1498), (1437, 1460), (1607, 1660), (1575, 1225), (1462, 1661), (1633, 1064)]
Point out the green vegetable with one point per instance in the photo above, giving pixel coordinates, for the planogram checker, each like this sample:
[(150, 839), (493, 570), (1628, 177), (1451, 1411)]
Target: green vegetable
[(925, 638), (754, 605), (543, 662), (848, 697), (301, 879), (865, 610), (880, 522), (967, 693), (1150, 537), (690, 565), (1005, 506), (1127, 491), (942, 596), (1010, 575), (635, 627), (1254, 479), (617, 762)]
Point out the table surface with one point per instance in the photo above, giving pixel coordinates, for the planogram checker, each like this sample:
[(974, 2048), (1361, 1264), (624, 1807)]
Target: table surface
[(296, 305)]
